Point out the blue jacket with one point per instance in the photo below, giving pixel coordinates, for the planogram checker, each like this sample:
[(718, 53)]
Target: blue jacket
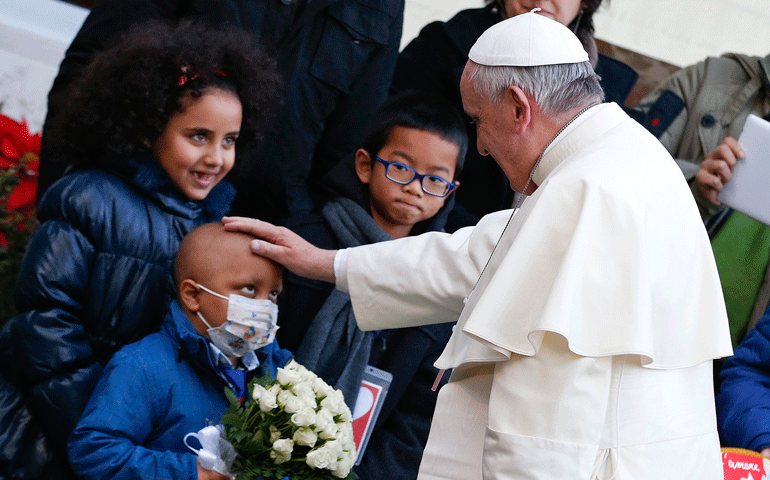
[(152, 393), (743, 403), (97, 275)]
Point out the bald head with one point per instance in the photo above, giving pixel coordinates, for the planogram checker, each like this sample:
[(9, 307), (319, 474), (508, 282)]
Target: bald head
[(210, 249)]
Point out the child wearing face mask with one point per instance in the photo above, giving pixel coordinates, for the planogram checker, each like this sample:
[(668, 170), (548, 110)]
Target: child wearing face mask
[(218, 334), (155, 123)]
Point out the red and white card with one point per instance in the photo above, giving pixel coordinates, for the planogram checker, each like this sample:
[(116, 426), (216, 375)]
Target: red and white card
[(374, 388), (742, 464)]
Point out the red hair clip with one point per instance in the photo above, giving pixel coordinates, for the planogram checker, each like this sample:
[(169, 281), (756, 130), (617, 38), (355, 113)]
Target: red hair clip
[(183, 78)]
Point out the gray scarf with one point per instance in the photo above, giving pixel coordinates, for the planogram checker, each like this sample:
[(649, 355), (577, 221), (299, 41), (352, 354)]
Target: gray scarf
[(334, 347)]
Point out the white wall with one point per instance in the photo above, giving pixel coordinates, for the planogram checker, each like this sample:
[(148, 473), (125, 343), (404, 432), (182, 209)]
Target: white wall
[(683, 32), (34, 34), (680, 32)]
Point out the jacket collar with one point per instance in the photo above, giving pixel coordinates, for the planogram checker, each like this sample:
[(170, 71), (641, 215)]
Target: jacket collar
[(196, 348), (192, 344), (144, 173)]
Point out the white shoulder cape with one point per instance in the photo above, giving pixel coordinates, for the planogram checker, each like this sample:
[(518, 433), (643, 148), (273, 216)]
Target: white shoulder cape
[(609, 252)]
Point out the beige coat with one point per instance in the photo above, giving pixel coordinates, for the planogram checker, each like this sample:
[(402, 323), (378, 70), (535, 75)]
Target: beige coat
[(718, 93)]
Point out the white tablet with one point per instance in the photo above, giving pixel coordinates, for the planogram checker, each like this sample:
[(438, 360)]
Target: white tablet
[(749, 189)]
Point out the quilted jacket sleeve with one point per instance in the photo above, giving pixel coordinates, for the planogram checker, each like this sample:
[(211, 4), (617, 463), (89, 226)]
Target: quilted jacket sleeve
[(743, 404), (45, 348)]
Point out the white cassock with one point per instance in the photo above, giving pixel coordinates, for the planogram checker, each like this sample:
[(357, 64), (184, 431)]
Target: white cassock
[(585, 350)]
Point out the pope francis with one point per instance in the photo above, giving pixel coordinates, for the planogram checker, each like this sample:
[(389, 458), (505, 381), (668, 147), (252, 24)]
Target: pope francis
[(587, 318)]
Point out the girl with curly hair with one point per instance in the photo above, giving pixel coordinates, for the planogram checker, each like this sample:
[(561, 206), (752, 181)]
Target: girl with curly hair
[(156, 122)]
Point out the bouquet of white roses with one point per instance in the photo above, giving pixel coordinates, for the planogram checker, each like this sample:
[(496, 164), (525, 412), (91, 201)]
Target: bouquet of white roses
[(297, 426)]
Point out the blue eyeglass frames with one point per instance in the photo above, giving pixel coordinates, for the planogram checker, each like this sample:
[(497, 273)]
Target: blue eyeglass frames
[(404, 175)]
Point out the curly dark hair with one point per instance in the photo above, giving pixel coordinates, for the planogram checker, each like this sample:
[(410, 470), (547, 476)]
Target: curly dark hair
[(125, 97)]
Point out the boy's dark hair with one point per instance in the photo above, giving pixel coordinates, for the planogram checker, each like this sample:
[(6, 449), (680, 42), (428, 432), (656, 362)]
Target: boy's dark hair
[(125, 97), (420, 111)]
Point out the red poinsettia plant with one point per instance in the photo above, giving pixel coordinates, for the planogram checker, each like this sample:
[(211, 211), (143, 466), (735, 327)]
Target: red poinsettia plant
[(19, 160)]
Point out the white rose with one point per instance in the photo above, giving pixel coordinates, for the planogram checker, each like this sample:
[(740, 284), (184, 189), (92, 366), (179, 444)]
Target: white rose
[(321, 457), (324, 425), (287, 377), (309, 402), (321, 388), (299, 368), (275, 434), (258, 391), (308, 376), (343, 467), (305, 436), (283, 446), (292, 364), (293, 404), (304, 418), (345, 435), (306, 394), (334, 404), (345, 414), (267, 400), (283, 397), (335, 447), (303, 390)]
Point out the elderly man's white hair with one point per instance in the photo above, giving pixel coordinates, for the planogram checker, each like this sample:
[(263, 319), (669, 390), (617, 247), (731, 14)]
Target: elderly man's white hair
[(555, 88)]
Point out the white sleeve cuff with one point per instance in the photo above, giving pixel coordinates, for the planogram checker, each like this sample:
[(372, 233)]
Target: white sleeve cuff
[(341, 270)]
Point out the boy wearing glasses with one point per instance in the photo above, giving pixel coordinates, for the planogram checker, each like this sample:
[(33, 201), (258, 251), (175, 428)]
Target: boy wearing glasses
[(400, 183)]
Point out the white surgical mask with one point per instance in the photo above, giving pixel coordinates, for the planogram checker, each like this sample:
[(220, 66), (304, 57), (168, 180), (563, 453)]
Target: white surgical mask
[(251, 324)]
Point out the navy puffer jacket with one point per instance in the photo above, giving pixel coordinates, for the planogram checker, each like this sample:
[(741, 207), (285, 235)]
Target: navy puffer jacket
[(97, 275)]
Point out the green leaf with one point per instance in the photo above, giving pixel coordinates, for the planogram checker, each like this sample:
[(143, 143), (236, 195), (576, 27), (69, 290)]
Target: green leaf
[(233, 419), (231, 397)]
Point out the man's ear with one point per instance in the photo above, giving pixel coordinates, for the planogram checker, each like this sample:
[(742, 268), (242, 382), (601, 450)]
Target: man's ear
[(521, 109), (363, 166), (189, 295)]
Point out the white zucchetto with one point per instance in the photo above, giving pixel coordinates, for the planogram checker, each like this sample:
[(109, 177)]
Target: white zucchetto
[(527, 40)]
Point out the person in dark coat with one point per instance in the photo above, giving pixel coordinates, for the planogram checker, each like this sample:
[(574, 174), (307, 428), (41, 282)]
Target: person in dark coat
[(434, 60), (155, 391), (380, 199), (155, 124), (336, 58)]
